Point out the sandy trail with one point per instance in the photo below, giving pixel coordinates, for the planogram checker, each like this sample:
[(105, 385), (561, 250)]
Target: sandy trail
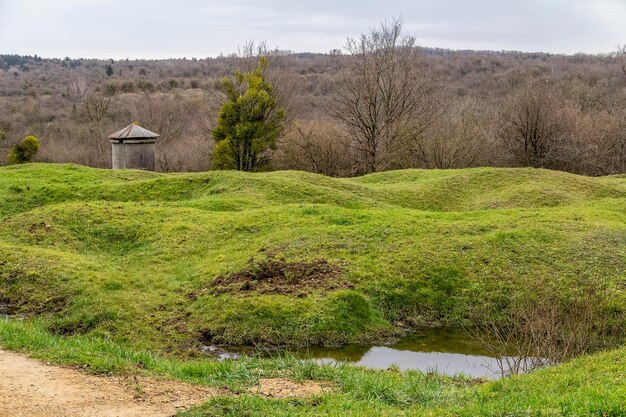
[(30, 388)]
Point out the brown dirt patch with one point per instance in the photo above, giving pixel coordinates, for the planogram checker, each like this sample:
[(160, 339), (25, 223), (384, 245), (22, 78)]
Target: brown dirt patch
[(35, 389), (277, 276), (285, 388)]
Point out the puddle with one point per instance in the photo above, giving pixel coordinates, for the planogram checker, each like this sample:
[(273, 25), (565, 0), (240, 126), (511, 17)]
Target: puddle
[(451, 364), (444, 351), (219, 353)]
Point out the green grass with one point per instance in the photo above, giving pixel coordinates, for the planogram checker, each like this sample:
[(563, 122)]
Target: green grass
[(129, 254), (113, 271), (588, 386)]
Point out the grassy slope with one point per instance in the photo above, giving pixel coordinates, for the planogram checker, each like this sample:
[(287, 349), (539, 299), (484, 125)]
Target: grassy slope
[(119, 253), (99, 253)]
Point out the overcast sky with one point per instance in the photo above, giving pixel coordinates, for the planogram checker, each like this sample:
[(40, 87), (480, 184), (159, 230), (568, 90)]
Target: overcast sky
[(202, 28)]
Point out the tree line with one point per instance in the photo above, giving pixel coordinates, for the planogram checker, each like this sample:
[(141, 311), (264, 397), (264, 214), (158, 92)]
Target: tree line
[(383, 104)]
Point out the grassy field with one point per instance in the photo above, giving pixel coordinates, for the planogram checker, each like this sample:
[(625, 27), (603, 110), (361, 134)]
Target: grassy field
[(129, 271), (169, 261)]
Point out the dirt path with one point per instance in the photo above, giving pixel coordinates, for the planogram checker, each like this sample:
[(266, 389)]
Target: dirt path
[(30, 388)]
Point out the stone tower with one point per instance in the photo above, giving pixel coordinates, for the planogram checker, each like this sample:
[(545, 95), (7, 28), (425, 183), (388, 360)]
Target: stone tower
[(133, 148)]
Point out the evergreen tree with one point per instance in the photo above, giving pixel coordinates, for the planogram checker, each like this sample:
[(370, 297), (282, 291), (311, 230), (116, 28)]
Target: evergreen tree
[(25, 151), (249, 122), (109, 70)]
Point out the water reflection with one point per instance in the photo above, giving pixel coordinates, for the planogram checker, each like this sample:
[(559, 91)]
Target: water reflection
[(442, 351), (381, 357)]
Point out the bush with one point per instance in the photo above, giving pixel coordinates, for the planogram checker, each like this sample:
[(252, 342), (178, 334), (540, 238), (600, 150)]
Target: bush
[(110, 89), (25, 151), (127, 87)]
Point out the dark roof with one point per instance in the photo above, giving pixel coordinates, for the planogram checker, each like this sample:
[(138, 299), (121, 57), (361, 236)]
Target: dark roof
[(133, 132)]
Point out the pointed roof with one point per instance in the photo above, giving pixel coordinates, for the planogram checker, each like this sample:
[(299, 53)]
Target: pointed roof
[(133, 131)]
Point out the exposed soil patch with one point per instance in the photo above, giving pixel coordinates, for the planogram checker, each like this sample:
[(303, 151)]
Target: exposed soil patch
[(277, 276), (285, 388), (35, 389), (42, 226)]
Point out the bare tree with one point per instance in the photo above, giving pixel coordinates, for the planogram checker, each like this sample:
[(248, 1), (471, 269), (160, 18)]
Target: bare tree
[(605, 134), (620, 58), (529, 123), (543, 326), (79, 88), (182, 125), (383, 93), (315, 146), (95, 108), (458, 139)]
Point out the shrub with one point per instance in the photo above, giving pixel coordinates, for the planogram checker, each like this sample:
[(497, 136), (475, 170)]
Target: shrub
[(146, 86), (25, 151), (128, 87), (110, 89), (250, 119)]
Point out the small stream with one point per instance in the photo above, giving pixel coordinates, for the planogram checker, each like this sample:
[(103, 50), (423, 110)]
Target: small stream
[(444, 351)]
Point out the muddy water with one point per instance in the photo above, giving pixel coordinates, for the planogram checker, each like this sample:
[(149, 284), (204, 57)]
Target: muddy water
[(442, 351)]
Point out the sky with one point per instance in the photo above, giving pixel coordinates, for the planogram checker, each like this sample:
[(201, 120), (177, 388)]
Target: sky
[(156, 29)]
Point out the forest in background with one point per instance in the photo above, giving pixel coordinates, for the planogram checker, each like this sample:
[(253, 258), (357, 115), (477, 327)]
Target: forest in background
[(478, 108)]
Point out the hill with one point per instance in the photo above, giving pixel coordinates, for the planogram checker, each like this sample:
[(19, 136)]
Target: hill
[(72, 105), (170, 261)]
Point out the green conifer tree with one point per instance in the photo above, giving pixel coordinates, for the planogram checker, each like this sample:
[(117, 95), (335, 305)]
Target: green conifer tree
[(249, 122)]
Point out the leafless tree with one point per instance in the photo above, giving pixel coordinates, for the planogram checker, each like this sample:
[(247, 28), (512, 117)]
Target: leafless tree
[(182, 125), (166, 115), (249, 54), (79, 88), (315, 146), (529, 123), (460, 138), (95, 108), (383, 93), (620, 58), (542, 325), (605, 135)]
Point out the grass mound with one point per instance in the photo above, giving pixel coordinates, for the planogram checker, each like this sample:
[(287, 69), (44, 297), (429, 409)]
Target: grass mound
[(161, 260)]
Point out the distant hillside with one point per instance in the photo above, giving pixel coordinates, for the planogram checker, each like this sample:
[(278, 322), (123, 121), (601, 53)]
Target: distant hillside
[(73, 104)]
